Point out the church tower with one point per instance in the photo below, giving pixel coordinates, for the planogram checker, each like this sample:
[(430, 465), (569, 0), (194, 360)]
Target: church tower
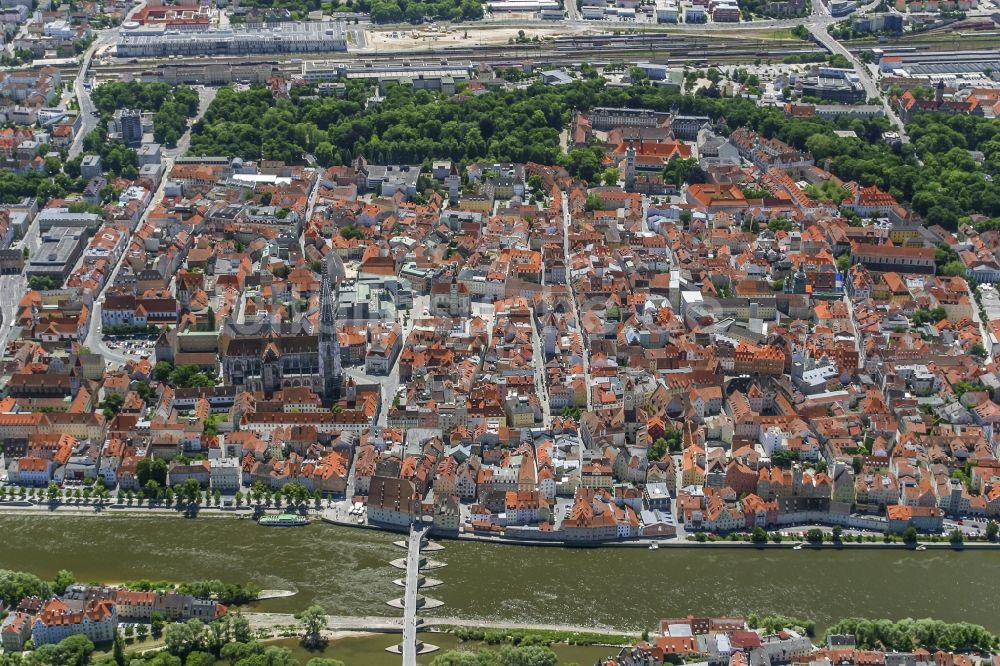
[(329, 347)]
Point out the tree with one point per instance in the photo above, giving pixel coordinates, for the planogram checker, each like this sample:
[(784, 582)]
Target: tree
[(956, 538), (199, 658), (151, 469), (658, 449), (53, 492), (72, 651), (257, 492), (815, 535), (238, 651), (594, 202), (118, 652), (63, 580), (680, 171), (953, 269), (189, 376), (910, 535), (312, 621), (838, 532), (992, 530), (182, 638), (156, 622), (142, 631), (758, 535), (239, 628), (295, 492), (16, 585), (190, 490), (907, 635), (162, 658), (162, 370)]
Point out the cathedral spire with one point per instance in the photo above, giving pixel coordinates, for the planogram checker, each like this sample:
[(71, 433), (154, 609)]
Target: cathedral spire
[(329, 346)]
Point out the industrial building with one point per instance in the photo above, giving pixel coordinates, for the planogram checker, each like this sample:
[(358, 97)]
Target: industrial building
[(58, 253), (213, 73), (529, 6), (259, 38), (840, 8), (879, 23), (666, 11), (50, 218), (443, 77), (837, 85)]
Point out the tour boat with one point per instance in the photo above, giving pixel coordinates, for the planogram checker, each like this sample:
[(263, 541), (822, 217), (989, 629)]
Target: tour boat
[(283, 520), (921, 547), (654, 546), (797, 546)]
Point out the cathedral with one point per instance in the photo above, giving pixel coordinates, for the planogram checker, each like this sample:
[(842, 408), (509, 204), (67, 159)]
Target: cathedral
[(271, 356)]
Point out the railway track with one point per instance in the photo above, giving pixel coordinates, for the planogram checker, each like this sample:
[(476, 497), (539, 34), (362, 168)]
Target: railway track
[(668, 51), (672, 49)]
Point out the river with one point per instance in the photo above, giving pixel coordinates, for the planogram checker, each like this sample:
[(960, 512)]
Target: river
[(346, 570)]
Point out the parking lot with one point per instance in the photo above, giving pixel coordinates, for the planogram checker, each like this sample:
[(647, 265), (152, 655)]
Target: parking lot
[(141, 348)]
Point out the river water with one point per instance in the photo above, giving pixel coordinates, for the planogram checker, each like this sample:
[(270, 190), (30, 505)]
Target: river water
[(346, 570)]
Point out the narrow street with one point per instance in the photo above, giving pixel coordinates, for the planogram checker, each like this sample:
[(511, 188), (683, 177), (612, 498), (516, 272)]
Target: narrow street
[(567, 257), (95, 337)]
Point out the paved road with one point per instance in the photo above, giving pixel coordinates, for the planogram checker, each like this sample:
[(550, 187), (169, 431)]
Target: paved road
[(87, 119), (858, 342), (818, 25), (983, 333), (410, 598), (538, 358), (12, 287)]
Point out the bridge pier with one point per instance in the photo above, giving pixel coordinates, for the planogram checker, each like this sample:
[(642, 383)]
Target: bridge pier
[(422, 582)]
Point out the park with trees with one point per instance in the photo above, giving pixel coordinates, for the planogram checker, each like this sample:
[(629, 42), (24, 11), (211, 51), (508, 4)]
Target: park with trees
[(935, 173), (172, 105)]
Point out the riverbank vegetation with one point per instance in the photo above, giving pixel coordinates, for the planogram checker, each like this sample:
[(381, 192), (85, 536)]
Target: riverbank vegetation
[(910, 634), (816, 536), (16, 585), (537, 637), (225, 593), (775, 623), (936, 173), (508, 655)]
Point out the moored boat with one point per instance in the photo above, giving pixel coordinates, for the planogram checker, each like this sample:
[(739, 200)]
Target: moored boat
[(283, 520)]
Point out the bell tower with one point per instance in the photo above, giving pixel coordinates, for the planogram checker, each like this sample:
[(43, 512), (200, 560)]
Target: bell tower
[(630, 166)]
